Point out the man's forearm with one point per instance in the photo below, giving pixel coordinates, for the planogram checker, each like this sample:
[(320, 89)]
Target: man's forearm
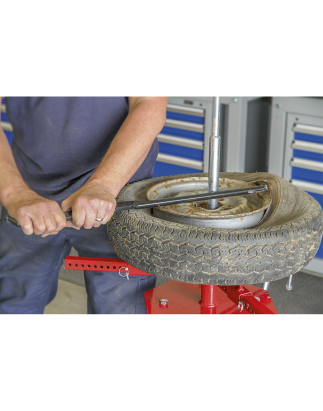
[(10, 177), (132, 143)]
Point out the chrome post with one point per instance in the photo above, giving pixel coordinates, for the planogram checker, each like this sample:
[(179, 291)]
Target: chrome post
[(289, 283), (265, 287), (214, 158)]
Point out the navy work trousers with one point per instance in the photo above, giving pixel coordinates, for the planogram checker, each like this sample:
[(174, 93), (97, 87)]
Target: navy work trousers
[(29, 268)]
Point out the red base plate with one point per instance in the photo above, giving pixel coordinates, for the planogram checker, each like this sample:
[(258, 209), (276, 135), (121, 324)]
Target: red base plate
[(184, 298)]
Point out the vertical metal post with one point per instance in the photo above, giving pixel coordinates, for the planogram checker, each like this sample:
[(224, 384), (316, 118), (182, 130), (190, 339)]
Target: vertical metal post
[(209, 299), (265, 287), (289, 283), (214, 154)]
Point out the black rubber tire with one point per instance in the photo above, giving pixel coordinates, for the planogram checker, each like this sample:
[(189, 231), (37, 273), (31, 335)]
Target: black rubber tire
[(284, 243)]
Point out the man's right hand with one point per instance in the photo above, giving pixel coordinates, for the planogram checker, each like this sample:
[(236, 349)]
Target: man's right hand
[(34, 213)]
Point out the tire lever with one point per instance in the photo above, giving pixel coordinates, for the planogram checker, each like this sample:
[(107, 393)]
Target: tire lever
[(135, 205)]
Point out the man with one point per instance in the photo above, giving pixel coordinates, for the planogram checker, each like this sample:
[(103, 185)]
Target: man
[(71, 154)]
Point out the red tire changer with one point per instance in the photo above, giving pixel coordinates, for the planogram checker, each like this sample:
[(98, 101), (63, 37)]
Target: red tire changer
[(176, 297)]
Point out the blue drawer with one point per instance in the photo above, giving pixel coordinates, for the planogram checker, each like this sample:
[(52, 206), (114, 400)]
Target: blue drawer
[(164, 169), (9, 135), (4, 117), (311, 176), (308, 155), (184, 117), (319, 253), (312, 138), (195, 135), (319, 198), (180, 151)]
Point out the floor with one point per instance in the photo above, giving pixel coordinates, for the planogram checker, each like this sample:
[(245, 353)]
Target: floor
[(306, 296), (70, 299)]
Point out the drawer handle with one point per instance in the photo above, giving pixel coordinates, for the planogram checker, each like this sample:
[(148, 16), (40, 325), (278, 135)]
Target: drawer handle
[(305, 146), (174, 108), (306, 186), (179, 161), (185, 125), (6, 126), (308, 164), (303, 128), (179, 141)]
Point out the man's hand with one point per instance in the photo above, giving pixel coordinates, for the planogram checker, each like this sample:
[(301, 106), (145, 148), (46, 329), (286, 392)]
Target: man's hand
[(91, 201), (34, 213)]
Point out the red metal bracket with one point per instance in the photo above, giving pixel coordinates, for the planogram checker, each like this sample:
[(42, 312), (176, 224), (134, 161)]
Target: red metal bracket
[(101, 264), (256, 301), (185, 298)]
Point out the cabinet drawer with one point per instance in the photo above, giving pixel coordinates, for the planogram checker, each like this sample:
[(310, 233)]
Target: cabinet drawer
[(309, 187), (184, 117), (311, 176), (169, 165), (164, 169), (187, 152), (177, 132), (308, 155), (308, 133), (4, 117), (180, 141)]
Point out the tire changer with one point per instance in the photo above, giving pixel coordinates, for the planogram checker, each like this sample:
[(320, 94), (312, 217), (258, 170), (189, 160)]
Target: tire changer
[(176, 297)]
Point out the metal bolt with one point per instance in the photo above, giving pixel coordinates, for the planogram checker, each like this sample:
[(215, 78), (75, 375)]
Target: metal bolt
[(235, 100), (163, 303), (240, 306), (278, 105)]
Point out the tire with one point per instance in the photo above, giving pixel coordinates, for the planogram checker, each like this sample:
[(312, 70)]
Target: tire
[(284, 242)]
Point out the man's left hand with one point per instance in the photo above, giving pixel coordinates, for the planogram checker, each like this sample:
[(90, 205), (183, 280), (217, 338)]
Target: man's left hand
[(92, 201)]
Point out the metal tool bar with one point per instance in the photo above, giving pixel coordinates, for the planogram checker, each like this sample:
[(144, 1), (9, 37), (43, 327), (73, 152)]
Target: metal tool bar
[(129, 205), (214, 159), (132, 205)]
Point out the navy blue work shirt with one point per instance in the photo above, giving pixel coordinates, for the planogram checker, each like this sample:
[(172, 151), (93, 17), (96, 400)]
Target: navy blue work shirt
[(60, 141)]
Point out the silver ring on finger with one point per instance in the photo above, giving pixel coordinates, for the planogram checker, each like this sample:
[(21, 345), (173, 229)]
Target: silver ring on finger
[(99, 219)]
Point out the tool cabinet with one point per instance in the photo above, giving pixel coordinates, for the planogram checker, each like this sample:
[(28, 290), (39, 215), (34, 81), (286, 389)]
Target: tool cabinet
[(184, 140), (181, 141), (296, 149)]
